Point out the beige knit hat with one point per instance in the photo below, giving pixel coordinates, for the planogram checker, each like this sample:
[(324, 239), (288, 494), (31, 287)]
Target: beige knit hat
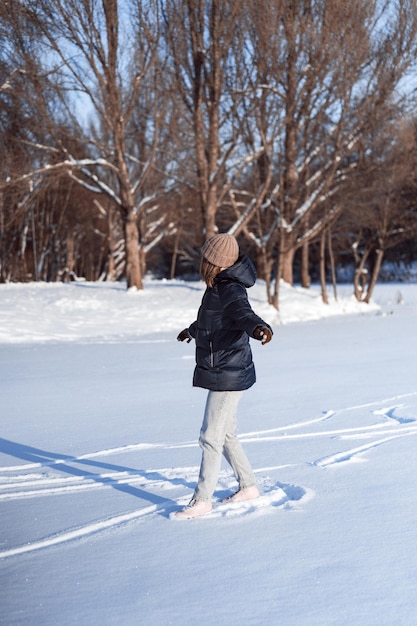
[(221, 250)]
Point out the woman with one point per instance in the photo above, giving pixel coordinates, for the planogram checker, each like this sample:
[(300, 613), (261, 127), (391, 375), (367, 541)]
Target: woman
[(224, 366)]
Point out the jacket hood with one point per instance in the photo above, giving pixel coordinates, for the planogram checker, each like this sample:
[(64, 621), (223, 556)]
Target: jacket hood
[(243, 271)]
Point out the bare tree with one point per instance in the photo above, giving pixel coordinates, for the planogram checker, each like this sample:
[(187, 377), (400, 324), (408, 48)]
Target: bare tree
[(200, 35), (324, 73), (249, 116), (107, 53), (17, 119), (381, 211)]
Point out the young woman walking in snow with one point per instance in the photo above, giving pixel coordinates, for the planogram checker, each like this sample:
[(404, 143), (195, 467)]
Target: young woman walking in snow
[(224, 366)]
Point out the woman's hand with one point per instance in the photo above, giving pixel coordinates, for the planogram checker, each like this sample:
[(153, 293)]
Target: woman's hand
[(184, 335), (263, 334)]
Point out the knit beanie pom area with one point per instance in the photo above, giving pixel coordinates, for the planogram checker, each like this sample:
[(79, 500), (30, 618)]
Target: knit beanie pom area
[(221, 250)]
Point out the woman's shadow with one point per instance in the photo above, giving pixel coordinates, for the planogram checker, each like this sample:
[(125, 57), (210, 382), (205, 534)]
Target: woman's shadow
[(65, 463)]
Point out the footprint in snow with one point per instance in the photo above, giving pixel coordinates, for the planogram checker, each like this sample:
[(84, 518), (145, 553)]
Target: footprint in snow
[(273, 496)]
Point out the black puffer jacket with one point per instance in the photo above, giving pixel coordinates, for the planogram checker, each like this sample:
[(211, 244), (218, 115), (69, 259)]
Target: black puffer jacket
[(224, 323)]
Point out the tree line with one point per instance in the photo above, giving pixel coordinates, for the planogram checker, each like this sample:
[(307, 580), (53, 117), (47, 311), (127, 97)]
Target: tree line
[(132, 131)]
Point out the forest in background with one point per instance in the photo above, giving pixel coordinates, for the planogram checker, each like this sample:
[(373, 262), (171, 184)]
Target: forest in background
[(131, 131)]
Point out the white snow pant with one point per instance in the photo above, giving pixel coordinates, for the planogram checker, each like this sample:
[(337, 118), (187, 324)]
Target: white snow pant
[(217, 437)]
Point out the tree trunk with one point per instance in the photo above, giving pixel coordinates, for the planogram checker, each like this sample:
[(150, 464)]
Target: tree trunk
[(275, 298), (375, 274), (133, 266), (290, 177), (264, 267), (305, 276), (360, 277), (332, 263), (323, 268), (210, 215), (287, 265), (111, 270), (175, 252), (34, 250), (69, 269)]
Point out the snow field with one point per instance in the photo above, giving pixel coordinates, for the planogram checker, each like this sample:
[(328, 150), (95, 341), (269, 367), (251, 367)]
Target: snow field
[(99, 447)]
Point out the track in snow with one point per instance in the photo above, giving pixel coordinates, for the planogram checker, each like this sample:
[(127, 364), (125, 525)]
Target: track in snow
[(45, 474)]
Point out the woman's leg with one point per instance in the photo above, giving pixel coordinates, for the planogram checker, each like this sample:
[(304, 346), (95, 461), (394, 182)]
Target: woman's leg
[(237, 459), (219, 419)]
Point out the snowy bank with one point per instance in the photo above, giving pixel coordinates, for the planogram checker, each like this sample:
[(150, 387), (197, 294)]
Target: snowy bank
[(85, 311)]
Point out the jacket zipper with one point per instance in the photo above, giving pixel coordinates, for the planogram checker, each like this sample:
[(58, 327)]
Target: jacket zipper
[(211, 354)]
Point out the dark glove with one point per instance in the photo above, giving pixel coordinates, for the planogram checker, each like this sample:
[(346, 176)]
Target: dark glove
[(184, 335), (263, 333)]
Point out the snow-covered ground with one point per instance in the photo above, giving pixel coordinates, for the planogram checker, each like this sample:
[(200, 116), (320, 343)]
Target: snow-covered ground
[(99, 428)]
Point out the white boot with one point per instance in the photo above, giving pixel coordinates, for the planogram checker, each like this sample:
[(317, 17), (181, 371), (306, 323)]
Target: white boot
[(247, 493), (196, 508)]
